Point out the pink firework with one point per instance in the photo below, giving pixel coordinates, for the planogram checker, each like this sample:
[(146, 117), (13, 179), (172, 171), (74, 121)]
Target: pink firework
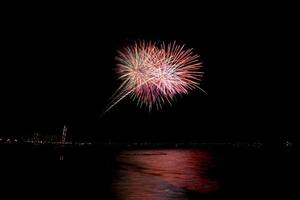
[(154, 74)]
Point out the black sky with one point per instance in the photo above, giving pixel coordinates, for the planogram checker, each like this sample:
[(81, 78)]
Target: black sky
[(58, 69)]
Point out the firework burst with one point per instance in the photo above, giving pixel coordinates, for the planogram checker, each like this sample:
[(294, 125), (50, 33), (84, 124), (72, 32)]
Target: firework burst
[(153, 74)]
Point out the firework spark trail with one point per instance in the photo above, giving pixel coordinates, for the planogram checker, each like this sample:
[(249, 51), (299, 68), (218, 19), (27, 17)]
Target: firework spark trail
[(154, 74)]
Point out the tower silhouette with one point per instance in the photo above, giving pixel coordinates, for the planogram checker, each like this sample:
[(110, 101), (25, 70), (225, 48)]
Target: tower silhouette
[(64, 134)]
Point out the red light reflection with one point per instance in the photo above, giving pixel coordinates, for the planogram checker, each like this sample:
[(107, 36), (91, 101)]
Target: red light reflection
[(162, 174)]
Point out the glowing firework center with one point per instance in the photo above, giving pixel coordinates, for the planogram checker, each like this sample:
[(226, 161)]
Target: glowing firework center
[(153, 74)]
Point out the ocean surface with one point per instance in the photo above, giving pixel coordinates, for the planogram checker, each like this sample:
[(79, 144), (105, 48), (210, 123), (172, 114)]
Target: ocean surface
[(94, 172)]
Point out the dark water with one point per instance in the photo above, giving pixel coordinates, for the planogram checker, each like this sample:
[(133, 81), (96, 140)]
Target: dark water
[(130, 174), (163, 174)]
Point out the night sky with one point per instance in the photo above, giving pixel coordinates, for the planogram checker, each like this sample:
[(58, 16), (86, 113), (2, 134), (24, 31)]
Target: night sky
[(58, 69)]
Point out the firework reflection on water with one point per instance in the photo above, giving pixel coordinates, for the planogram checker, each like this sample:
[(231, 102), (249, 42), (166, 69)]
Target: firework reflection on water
[(162, 174)]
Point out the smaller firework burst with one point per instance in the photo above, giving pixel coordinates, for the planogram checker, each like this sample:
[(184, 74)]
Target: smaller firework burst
[(153, 74)]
